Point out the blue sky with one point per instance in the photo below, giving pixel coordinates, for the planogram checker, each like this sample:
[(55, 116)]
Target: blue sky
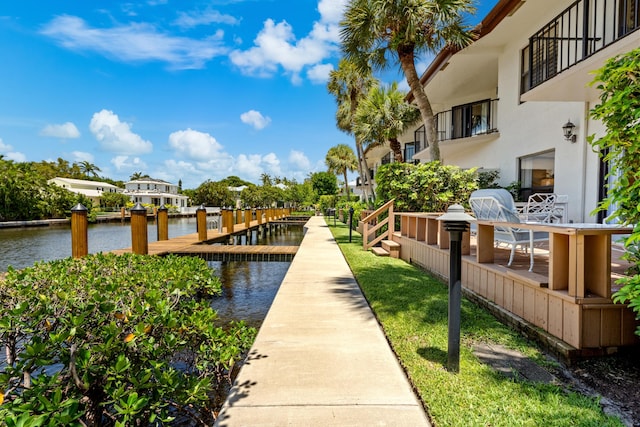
[(179, 89)]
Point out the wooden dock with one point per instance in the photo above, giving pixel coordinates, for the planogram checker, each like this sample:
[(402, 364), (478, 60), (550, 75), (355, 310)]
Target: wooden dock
[(215, 247)]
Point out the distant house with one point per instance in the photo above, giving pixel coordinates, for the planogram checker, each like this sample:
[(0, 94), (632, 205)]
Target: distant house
[(91, 189), (517, 99), (155, 192)]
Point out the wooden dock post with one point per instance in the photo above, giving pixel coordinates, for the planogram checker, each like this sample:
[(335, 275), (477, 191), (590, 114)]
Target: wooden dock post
[(162, 223), (247, 218), (79, 239), (201, 223), (139, 237), (259, 216)]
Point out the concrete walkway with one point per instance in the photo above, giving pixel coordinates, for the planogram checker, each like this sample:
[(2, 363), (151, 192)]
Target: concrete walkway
[(320, 358)]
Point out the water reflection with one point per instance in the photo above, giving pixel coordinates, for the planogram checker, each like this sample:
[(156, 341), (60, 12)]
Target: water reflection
[(21, 247)]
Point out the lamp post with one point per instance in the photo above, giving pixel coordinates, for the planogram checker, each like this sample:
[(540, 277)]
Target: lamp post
[(456, 222), (350, 222)]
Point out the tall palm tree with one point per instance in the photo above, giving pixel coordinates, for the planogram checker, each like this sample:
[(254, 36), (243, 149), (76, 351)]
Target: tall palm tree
[(349, 84), (383, 116), (89, 169), (340, 159), (375, 30)]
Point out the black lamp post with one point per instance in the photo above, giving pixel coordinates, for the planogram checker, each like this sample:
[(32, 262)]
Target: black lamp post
[(456, 222), (350, 222)]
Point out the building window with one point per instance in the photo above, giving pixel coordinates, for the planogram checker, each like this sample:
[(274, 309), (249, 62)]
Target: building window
[(627, 17), (471, 119), (420, 138), (536, 173), (386, 159), (409, 151)]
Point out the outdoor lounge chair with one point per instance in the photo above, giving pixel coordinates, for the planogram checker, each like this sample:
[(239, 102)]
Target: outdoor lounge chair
[(496, 204)]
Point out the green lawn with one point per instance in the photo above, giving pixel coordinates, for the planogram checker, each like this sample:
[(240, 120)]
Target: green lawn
[(411, 305)]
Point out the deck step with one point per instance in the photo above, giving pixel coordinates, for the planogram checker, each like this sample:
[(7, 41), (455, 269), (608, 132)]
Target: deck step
[(392, 247), (379, 251)]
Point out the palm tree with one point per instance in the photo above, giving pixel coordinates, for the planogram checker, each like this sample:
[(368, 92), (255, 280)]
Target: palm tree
[(374, 30), (341, 159), (89, 169), (383, 116), (349, 84)]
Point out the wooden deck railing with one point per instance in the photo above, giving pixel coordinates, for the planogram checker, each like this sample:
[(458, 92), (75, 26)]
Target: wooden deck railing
[(372, 225)]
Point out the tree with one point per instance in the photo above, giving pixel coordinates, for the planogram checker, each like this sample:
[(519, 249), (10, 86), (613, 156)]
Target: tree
[(138, 175), (619, 111), (340, 160), (324, 183), (382, 116), (211, 193), (349, 85), (114, 200), (88, 168), (375, 30)]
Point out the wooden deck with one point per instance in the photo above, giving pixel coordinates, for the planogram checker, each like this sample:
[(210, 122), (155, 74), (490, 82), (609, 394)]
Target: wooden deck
[(214, 247)]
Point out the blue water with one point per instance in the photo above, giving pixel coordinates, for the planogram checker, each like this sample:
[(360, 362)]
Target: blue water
[(248, 288)]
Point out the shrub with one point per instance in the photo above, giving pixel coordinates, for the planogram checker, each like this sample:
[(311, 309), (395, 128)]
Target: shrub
[(106, 339), (619, 110), (426, 187)]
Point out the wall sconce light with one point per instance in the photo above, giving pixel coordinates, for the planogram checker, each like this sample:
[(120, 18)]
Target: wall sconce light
[(568, 131)]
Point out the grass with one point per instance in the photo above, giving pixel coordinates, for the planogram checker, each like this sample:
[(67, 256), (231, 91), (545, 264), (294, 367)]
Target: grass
[(411, 306)]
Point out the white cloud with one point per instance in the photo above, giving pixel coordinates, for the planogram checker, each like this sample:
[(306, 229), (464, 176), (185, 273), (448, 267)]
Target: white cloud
[(196, 145), (331, 11), (124, 164), (299, 160), (7, 151), (319, 74), (276, 46), (134, 42), (82, 156), (64, 131), (253, 166), (256, 119), (209, 16), (116, 136)]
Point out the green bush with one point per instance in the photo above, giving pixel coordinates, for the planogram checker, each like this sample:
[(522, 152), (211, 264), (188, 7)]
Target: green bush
[(114, 340), (426, 187), (619, 110)]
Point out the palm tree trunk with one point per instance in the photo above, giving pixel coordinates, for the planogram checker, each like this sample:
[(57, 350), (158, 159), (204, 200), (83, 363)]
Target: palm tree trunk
[(346, 185), (395, 146), (361, 170), (409, 68)]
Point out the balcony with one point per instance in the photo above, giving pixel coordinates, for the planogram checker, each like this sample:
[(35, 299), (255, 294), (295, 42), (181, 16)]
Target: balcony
[(560, 56), (473, 122)]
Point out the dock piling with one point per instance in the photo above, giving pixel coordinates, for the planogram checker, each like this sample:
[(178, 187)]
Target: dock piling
[(79, 235), (139, 237)]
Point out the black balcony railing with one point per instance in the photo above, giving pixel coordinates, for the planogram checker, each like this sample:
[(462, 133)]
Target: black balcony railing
[(582, 29), (464, 121)]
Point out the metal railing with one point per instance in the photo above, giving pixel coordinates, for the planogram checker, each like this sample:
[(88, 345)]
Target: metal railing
[(581, 30), (464, 121)]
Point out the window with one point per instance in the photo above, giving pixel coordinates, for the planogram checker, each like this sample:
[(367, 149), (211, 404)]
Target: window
[(536, 173), (409, 151), (386, 159), (420, 138), (471, 119), (627, 16)]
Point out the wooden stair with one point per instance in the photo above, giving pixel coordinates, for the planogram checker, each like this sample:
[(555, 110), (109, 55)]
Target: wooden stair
[(387, 248)]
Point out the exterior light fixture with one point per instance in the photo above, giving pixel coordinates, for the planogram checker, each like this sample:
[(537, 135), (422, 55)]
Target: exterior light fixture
[(568, 131), (456, 222)]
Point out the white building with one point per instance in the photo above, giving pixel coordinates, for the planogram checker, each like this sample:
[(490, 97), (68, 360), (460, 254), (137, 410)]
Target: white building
[(155, 192), (502, 102), (91, 189)]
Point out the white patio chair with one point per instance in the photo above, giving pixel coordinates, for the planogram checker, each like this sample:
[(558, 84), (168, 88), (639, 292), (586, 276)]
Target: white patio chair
[(498, 205), (541, 207)]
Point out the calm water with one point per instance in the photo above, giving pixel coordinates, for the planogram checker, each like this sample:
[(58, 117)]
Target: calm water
[(248, 287)]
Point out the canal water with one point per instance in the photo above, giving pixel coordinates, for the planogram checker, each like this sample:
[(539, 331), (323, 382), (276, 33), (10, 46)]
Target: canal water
[(248, 287)]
